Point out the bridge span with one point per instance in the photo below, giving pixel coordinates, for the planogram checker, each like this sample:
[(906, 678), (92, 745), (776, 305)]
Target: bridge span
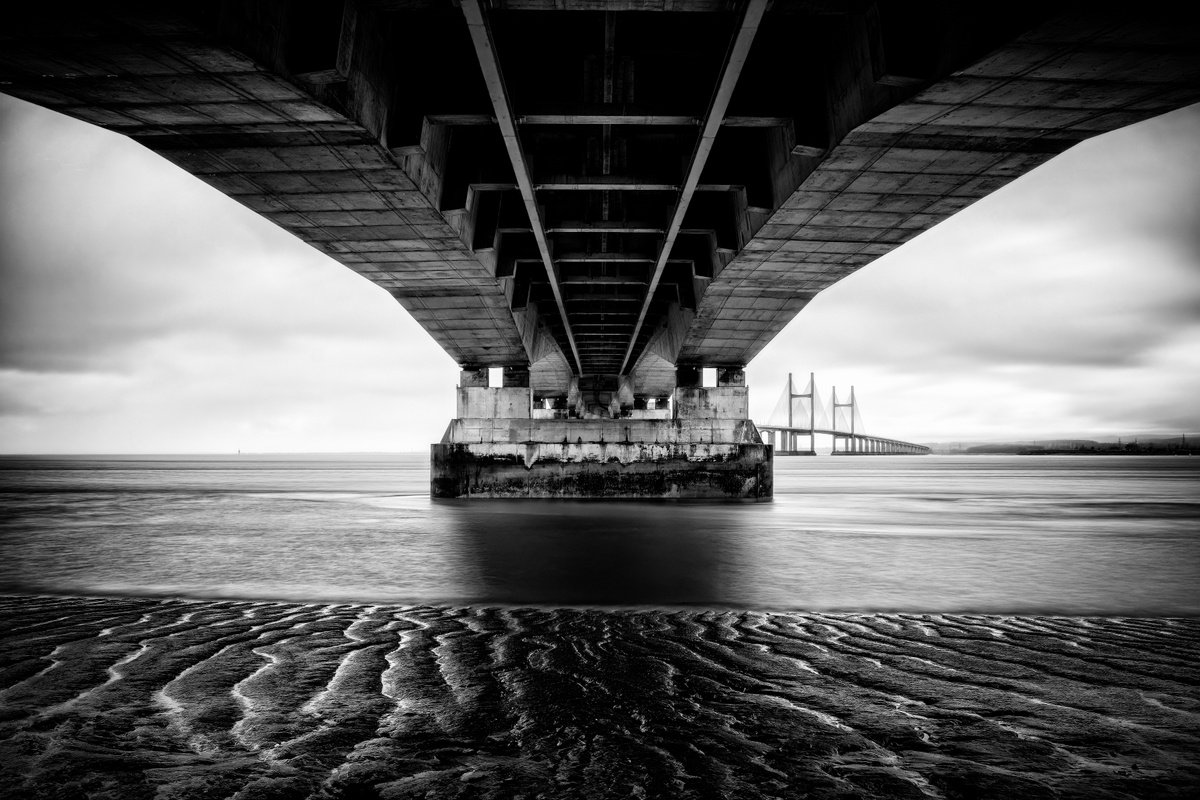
[(603, 197), (853, 444)]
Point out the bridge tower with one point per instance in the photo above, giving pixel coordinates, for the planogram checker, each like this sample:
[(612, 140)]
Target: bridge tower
[(851, 440), (790, 437)]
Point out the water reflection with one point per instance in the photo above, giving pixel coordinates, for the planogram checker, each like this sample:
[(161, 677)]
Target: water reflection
[(1074, 535), (580, 553)]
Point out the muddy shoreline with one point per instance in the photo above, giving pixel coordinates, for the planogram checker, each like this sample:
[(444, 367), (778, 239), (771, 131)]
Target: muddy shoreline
[(167, 698)]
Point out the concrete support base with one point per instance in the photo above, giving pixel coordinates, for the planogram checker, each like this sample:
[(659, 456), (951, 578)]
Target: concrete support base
[(500, 447), (602, 470)]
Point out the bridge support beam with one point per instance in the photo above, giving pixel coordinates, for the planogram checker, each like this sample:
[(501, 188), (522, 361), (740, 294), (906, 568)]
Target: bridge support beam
[(499, 445)]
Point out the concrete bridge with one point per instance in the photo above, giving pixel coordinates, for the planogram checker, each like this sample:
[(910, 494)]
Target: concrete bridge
[(603, 197), (803, 420)]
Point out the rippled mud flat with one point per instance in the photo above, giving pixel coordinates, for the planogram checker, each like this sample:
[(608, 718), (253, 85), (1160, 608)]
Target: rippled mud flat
[(129, 698)]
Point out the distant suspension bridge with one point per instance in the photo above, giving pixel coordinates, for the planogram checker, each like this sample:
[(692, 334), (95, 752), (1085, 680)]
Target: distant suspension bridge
[(800, 415)]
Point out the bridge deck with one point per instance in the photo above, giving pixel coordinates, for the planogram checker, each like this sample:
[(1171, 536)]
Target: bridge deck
[(593, 190), (847, 435)]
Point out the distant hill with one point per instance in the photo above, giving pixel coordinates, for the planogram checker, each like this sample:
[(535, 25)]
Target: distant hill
[(1145, 445)]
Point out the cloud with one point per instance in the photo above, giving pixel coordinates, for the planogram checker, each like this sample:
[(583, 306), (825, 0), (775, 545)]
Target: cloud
[(141, 310), (113, 247), (207, 392)]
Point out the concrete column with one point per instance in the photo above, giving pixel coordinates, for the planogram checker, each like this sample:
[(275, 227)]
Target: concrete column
[(731, 376), (575, 397), (473, 378), (517, 377), (625, 395)]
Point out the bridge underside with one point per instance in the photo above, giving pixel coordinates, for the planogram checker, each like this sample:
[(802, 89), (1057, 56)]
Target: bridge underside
[(603, 197)]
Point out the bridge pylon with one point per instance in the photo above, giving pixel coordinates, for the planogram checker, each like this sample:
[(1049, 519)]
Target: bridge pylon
[(790, 438), (851, 441)]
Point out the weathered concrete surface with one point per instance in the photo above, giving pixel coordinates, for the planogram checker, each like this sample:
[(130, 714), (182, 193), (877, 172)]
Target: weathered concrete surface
[(504, 457), (722, 402), (477, 430), (497, 402), (592, 470)]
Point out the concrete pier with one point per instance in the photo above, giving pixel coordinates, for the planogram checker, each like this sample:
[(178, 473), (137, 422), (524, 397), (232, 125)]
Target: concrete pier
[(702, 446)]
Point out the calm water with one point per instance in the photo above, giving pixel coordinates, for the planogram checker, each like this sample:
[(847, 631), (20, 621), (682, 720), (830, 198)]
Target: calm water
[(1003, 534)]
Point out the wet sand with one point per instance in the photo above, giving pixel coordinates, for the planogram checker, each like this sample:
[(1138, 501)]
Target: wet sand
[(142, 698)]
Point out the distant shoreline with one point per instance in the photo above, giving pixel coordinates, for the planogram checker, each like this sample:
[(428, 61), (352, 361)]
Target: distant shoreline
[(1003, 450), (1188, 452)]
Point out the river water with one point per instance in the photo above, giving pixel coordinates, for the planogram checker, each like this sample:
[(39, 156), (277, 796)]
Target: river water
[(1117, 535)]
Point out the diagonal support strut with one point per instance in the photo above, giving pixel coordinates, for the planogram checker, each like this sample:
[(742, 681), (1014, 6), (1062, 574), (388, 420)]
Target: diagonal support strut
[(735, 59), (489, 63)]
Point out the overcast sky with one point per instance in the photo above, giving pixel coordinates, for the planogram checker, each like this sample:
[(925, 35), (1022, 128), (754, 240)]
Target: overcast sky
[(142, 311)]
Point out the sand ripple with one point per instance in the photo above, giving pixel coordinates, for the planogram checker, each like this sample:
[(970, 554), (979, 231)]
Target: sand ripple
[(132, 698)]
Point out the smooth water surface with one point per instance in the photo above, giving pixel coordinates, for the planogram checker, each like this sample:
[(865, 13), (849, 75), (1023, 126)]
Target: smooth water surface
[(996, 534)]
